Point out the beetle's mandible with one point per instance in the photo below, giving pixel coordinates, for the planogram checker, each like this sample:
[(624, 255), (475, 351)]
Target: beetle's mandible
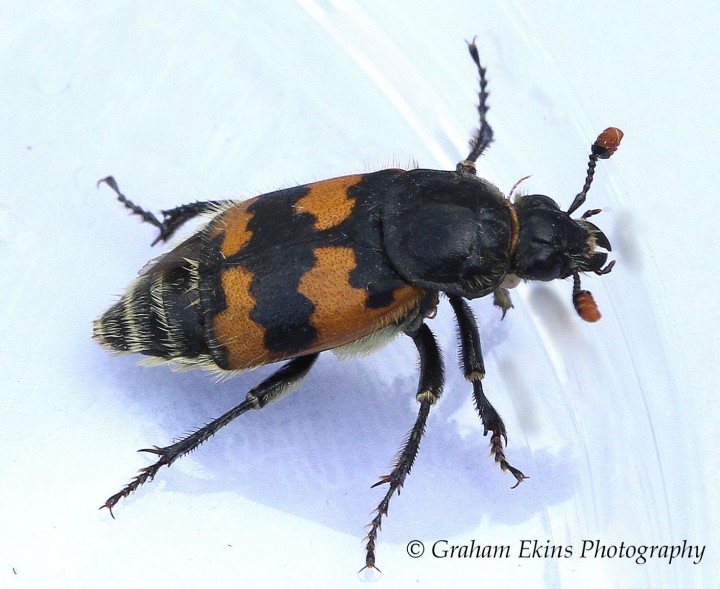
[(346, 264)]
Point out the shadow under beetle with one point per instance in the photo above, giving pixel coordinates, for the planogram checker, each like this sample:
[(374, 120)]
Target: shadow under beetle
[(346, 264)]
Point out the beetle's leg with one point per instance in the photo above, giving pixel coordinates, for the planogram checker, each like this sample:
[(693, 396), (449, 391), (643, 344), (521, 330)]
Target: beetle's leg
[(429, 390), (502, 300), (484, 135), (173, 219), (271, 389), (474, 368)]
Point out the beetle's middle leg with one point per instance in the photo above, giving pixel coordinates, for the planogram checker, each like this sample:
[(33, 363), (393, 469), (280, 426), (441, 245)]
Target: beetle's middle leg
[(173, 219), (271, 389), (483, 137), (474, 369), (429, 390)]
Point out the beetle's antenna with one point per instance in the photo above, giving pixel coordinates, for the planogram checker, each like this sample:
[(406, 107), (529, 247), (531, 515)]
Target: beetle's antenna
[(605, 145), (484, 135), (584, 302)]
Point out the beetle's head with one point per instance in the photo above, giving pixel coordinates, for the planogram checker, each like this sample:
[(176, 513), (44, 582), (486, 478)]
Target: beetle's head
[(551, 244)]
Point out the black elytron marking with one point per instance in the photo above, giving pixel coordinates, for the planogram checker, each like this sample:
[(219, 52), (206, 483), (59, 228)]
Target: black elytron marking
[(278, 257), (280, 252), (373, 264)]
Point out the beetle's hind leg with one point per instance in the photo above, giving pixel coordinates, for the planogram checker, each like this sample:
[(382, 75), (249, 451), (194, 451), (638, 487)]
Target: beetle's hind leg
[(173, 219), (271, 389), (429, 391), (474, 369)]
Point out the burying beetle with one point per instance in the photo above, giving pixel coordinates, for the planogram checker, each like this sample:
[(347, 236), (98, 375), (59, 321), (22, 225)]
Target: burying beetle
[(346, 264)]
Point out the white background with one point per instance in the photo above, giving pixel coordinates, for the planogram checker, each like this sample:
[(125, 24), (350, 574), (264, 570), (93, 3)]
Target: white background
[(614, 422)]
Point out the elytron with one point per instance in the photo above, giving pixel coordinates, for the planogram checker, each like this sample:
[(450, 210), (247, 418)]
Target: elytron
[(346, 264)]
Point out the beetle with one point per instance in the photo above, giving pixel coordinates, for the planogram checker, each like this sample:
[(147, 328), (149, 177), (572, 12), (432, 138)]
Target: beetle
[(346, 264)]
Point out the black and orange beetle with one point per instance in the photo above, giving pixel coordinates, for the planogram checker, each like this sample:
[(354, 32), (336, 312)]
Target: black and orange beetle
[(349, 263)]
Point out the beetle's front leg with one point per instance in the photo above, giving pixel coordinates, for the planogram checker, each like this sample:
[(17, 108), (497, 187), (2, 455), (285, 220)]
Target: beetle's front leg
[(474, 369), (429, 391), (502, 300)]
